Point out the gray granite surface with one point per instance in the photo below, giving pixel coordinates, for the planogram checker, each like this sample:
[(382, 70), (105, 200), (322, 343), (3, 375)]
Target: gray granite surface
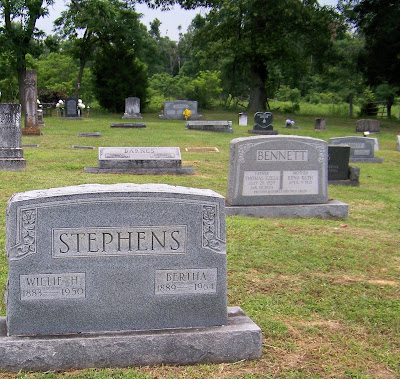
[(96, 258), (174, 110), (132, 108), (211, 126), (361, 148)]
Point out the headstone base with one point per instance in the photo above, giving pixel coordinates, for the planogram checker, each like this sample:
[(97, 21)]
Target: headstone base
[(142, 170), (12, 164), (264, 132), (366, 160), (353, 179), (129, 125), (332, 209), (240, 339), (31, 131), (133, 116)]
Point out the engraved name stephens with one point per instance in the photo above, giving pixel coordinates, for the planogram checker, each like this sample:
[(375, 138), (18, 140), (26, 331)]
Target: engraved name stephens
[(94, 242)]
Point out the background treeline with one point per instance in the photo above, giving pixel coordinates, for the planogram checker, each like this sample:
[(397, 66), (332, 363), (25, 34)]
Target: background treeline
[(242, 53)]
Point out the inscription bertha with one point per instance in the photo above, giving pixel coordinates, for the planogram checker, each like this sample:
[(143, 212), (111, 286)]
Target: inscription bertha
[(137, 240)]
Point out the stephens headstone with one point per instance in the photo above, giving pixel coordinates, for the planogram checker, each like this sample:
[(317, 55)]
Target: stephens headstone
[(71, 109), (132, 108), (174, 110), (93, 261), (288, 172), (11, 153), (320, 124), (31, 116), (263, 124), (140, 160), (242, 119), (361, 148), (368, 125)]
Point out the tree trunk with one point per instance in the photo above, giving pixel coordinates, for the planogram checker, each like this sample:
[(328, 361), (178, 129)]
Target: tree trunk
[(258, 95), (351, 96), (21, 86), (389, 104), (80, 75)]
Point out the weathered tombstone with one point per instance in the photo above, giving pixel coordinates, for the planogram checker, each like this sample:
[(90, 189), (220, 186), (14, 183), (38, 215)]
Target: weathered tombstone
[(129, 125), (320, 124), (132, 108), (71, 109), (280, 176), (263, 124), (11, 153), (31, 117), (339, 171), (174, 110), (210, 126), (40, 117), (361, 148), (119, 275), (368, 125), (398, 142), (140, 160), (242, 119)]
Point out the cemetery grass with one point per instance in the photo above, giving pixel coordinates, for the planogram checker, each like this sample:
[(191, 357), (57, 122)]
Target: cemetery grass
[(326, 293)]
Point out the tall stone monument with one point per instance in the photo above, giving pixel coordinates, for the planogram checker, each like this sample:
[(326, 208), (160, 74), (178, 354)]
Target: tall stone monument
[(11, 154), (31, 116)]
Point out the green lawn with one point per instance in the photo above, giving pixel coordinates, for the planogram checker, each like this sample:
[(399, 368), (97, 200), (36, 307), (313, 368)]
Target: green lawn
[(326, 293)]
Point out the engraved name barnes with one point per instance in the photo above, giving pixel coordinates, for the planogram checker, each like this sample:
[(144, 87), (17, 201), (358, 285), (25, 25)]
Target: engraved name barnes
[(116, 241), (282, 155)]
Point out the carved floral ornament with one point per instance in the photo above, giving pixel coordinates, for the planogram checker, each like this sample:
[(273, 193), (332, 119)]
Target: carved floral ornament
[(211, 236), (27, 238)]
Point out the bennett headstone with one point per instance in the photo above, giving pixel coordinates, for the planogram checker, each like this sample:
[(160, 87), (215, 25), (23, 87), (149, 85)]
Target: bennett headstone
[(263, 124), (277, 170), (174, 110), (11, 153), (361, 148), (338, 162), (97, 258), (31, 117), (132, 108)]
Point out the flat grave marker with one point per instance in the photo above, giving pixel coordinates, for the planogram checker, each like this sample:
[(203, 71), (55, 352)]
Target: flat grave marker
[(210, 126)]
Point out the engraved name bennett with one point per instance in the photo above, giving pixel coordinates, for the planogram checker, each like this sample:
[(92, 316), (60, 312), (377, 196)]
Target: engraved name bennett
[(106, 241)]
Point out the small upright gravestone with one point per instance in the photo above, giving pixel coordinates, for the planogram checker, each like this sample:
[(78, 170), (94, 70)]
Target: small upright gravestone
[(263, 124), (320, 124), (361, 148), (11, 154), (71, 109), (133, 274), (174, 110), (280, 176), (31, 117), (339, 171), (398, 143), (242, 119), (132, 108), (368, 125), (140, 160)]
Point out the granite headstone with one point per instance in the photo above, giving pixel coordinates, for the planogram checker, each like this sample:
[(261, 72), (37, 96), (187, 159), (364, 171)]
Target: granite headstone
[(368, 125), (338, 162), (11, 153), (243, 119), (71, 108), (280, 176), (320, 124), (132, 108), (119, 275), (398, 143), (140, 160), (210, 126), (174, 110), (263, 124), (361, 148)]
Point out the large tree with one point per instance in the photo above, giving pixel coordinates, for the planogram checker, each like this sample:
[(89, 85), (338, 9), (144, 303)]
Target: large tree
[(253, 36), (19, 35)]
